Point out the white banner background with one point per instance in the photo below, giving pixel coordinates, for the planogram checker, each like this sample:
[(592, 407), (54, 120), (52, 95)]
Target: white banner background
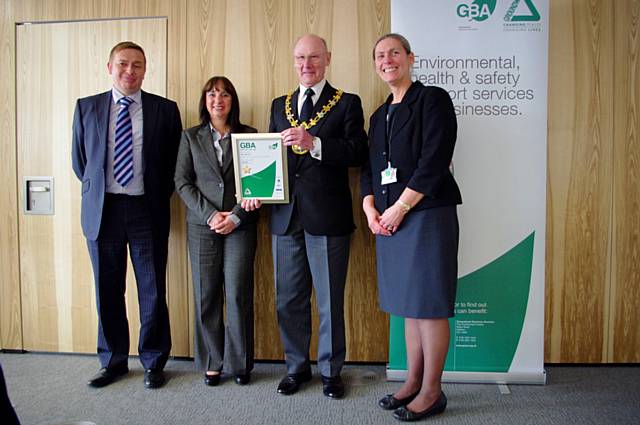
[(500, 159)]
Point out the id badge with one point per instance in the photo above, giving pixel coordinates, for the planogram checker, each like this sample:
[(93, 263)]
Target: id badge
[(388, 175)]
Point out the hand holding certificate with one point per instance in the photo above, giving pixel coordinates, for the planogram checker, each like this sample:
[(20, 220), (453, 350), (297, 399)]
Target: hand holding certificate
[(260, 167)]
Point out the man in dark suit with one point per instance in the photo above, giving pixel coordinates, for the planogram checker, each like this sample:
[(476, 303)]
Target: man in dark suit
[(323, 127), (125, 143)]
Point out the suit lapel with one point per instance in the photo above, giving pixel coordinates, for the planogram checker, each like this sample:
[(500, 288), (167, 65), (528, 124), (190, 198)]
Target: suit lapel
[(149, 117), (294, 104), (378, 132), (400, 118), (227, 154), (103, 111), (205, 139), (403, 113), (292, 157)]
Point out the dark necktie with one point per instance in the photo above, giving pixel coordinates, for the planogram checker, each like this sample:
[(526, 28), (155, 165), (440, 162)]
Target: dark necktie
[(123, 149), (307, 106)]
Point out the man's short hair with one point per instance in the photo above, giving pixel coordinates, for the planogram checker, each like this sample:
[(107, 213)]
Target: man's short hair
[(126, 45)]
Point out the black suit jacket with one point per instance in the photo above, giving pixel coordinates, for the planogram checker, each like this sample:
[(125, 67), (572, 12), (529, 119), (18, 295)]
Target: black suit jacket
[(160, 140), (320, 189), (421, 143)]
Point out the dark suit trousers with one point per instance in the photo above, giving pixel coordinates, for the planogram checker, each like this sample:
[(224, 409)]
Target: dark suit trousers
[(222, 270), (126, 221), (300, 261)]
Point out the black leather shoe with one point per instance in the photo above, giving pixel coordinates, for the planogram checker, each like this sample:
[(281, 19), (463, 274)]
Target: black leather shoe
[(153, 378), (106, 376), (389, 402), (243, 379), (212, 380), (405, 415), (332, 386), (290, 384)]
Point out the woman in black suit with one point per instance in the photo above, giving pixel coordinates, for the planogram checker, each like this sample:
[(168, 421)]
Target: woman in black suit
[(410, 198), (221, 235)]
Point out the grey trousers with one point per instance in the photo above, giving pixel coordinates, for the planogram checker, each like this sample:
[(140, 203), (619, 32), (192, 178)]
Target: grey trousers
[(222, 270), (301, 261)]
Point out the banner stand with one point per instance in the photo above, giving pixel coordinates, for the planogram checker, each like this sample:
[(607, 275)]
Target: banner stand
[(532, 378), (491, 56)]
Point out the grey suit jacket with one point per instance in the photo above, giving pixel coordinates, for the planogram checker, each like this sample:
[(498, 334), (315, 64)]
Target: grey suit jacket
[(160, 137), (203, 185)]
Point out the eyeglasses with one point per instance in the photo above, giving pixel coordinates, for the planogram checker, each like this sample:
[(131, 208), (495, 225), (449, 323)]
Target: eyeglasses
[(311, 58)]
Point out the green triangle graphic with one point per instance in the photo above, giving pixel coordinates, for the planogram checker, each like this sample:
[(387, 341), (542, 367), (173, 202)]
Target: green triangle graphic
[(534, 16)]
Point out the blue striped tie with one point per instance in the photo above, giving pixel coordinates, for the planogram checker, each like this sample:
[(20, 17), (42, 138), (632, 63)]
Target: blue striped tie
[(123, 152)]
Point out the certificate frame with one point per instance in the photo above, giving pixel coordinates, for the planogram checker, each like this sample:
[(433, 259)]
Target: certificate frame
[(260, 167)]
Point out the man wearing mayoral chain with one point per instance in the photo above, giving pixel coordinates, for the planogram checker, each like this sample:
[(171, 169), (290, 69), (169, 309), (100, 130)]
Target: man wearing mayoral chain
[(323, 129)]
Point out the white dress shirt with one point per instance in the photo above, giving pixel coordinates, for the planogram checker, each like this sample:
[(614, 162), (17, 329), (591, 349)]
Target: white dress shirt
[(215, 134), (216, 143), (316, 151)]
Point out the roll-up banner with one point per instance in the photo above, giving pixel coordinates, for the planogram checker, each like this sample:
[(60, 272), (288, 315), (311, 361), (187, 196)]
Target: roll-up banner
[(491, 56)]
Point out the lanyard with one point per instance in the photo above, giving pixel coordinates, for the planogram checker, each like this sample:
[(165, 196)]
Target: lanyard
[(390, 119)]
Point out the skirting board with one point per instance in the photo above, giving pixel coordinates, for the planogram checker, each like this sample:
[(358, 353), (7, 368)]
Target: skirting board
[(531, 378)]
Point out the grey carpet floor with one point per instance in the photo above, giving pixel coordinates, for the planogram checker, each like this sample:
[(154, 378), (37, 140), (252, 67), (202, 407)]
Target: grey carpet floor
[(51, 389)]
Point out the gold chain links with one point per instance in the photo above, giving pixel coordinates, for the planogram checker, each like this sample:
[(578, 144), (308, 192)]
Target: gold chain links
[(319, 115)]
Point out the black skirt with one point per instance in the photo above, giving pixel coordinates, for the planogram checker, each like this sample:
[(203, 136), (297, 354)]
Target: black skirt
[(418, 266)]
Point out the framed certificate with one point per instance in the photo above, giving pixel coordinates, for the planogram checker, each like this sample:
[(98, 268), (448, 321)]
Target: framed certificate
[(260, 167)]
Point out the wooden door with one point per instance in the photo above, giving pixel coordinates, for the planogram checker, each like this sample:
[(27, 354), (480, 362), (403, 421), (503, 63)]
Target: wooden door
[(56, 63)]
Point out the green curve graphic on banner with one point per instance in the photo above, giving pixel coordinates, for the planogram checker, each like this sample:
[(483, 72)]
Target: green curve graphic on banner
[(491, 304), (260, 184)]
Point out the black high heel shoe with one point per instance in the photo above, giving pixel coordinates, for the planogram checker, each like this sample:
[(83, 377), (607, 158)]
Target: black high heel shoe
[(212, 380), (389, 402), (405, 415)]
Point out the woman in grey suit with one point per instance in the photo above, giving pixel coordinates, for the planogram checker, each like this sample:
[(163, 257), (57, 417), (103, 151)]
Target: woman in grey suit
[(410, 198), (221, 235)]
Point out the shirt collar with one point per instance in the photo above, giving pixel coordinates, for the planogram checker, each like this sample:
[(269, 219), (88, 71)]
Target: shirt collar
[(136, 97), (216, 134), (317, 89)]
